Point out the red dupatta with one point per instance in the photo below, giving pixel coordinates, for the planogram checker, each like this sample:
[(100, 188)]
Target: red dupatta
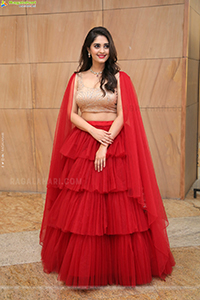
[(141, 177), (63, 128)]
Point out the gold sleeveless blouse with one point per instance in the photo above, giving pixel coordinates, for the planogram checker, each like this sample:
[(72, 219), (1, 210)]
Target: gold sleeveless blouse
[(92, 100)]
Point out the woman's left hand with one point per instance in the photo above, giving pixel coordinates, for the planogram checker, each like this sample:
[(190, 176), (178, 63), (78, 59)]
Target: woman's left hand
[(100, 158)]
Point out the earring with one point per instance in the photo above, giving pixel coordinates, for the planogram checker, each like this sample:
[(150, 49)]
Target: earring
[(88, 54)]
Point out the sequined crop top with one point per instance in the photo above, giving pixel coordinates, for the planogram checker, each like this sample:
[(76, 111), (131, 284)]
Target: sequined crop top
[(92, 100)]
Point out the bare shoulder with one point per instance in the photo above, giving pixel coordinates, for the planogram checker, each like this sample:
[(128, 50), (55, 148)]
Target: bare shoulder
[(85, 73), (117, 75), (76, 81), (79, 74)]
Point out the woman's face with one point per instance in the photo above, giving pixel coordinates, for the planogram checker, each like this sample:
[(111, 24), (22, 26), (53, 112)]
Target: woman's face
[(99, 49)]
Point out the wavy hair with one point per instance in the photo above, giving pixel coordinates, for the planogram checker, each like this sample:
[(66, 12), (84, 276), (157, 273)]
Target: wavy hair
[(111, 67)]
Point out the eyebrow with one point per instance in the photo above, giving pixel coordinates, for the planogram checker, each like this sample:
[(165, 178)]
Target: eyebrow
[(100, 43)]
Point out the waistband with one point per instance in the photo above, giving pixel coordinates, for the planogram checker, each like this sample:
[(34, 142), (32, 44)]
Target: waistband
[(100, 122)]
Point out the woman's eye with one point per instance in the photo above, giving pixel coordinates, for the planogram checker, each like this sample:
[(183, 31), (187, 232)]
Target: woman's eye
[(97, 46)]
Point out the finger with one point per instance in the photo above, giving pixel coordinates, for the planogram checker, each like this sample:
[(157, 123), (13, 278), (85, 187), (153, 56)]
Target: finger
[(108, 141), (101, 165), (108, 137), (107, 132), (95, 165), (104, 162), (103, 143)]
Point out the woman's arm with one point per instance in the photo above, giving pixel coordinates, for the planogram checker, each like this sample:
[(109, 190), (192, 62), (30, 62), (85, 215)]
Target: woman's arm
[(77, 120), (115, 128), (118, 123), (102, 136)]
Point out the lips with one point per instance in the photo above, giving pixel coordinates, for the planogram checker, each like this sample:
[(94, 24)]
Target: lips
[(101, 56)]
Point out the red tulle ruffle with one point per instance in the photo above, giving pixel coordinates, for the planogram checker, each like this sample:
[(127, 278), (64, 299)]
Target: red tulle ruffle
[(96, 234)]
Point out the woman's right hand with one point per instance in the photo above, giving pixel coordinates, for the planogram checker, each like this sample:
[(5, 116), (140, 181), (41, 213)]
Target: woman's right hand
[(102, 136)]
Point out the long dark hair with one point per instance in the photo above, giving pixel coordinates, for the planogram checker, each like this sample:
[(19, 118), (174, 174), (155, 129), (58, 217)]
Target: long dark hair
[(111, 67)]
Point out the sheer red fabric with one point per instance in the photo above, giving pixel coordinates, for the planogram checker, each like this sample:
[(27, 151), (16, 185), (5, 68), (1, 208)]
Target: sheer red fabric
[(110, 228), (141, 177), (63, 129)]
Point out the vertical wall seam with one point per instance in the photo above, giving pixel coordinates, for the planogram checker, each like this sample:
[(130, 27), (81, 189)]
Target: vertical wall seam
[(184, 95), (32, 109), (102, 13), (198, 121)]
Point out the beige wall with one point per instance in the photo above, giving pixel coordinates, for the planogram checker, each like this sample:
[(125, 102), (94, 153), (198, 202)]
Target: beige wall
[(40, 49), (192, 99)]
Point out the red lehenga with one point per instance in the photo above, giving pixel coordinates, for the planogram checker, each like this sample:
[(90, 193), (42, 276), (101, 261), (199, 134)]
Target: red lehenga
[(108, 227)]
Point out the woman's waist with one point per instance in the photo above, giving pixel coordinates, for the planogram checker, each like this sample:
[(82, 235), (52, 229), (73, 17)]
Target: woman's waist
[(99, 117)]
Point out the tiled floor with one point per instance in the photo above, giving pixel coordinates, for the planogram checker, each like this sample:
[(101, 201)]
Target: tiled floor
[(22, 277)]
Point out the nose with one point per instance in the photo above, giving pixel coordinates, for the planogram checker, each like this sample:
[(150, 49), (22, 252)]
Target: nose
[(101, 50)]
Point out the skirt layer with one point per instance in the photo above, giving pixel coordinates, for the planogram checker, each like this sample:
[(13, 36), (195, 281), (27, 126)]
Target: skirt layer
[(92, 213), (83, 260), (96, 234)]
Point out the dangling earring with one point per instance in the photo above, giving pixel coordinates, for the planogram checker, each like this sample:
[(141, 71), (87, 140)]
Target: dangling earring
[(88, 54)]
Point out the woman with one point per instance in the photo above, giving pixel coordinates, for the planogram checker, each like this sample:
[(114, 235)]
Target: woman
[(104, 220)]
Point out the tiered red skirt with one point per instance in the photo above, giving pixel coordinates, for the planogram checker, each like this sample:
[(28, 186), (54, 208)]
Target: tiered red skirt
[(96, 234)]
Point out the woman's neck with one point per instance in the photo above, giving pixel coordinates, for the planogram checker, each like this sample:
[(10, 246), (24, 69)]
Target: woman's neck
[(97, 67)]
